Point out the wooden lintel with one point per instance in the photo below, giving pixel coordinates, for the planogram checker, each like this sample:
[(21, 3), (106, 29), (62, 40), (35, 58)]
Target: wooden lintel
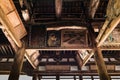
[(93, 7), (101, 68), (17, 64), (58, 8)]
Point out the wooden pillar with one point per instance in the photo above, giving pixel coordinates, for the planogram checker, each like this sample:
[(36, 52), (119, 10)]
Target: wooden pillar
[(101, 64), (58, 8), (102, 71), (39, 77), (35, 77), (74, 77), (57, 77), (17, 64), (80, 77)]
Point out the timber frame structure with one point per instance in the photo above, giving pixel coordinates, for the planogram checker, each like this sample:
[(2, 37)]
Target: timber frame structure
[(74, 38)]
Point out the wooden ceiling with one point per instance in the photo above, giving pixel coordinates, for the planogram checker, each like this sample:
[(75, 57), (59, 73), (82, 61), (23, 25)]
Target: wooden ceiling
[(61, 14)]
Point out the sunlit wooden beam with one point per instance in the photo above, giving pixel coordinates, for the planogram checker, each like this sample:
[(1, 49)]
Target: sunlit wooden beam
[(110, 28), (11, 21), (5, 22), (112, 13)]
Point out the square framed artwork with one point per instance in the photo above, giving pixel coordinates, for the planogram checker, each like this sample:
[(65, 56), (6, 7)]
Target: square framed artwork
[(74, 38)]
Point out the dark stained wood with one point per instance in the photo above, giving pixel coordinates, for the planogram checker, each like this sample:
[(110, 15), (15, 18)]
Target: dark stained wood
[(17, 64)]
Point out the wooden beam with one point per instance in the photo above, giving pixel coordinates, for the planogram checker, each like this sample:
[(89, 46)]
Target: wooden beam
[(35, 77), (102, 30), (113, 14), (110, 28), (102, 71), (100, 64), (17, 64), (71, 73), (93, 8), (5, 22), (11, 21), (58, 8)]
